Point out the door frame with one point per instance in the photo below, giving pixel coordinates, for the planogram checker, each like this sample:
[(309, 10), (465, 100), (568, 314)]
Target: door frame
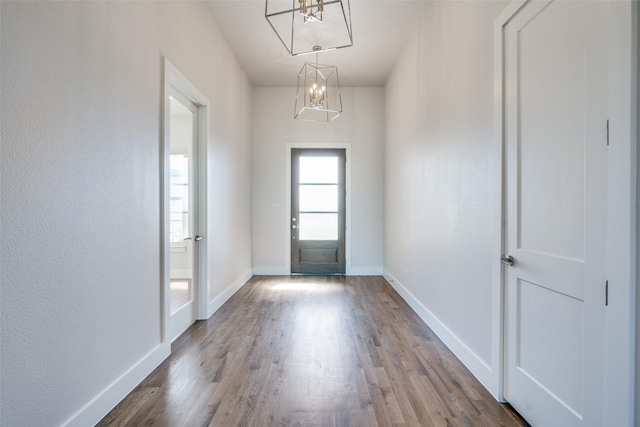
[(347, 188), (174, 79), (621, 211)]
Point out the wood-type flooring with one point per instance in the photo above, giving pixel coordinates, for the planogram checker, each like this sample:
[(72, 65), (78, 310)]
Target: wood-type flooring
[(311, 351)]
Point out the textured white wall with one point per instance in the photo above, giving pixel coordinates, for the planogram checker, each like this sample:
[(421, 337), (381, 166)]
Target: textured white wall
[(273, 126), (80, 184), (438, 150), (636, 10)]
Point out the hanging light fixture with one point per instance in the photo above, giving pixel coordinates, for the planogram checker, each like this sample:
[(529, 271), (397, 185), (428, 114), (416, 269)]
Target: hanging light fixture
[(303, 24), (311, 11), (318, 96)]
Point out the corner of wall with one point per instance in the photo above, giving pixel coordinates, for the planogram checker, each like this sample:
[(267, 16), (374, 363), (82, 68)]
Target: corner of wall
[(217, 302), (107, 399), (365, 271), (467, 356)]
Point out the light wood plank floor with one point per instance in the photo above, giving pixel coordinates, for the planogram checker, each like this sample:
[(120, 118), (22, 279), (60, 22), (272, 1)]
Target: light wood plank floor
[(311, 351)]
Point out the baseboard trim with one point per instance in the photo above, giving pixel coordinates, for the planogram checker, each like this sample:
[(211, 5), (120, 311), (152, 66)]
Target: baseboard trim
[(270, 271), (364, 271), (181, 274), (91, 413), (468, 357), (216, 303), (351, 271)]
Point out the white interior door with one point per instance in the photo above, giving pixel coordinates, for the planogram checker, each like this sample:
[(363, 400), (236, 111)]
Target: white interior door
[(183, 213), (555, 207)]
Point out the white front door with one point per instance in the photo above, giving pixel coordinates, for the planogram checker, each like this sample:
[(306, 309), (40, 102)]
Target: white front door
[(555, 211), (183, 213)]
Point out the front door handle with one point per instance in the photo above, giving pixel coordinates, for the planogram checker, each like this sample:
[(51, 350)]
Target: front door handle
[(508, 260), (198, 238)]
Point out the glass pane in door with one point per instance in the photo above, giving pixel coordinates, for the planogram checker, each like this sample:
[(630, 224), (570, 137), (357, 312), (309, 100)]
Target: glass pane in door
[(318, 170), (318, 198), (180, 204), (318, 226)]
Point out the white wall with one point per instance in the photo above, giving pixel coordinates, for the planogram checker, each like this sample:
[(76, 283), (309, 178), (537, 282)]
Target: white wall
[(80, 182), (362, 125), (636, 31), (438, 176)]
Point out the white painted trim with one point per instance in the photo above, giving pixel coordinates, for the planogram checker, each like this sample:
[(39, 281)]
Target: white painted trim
[(203, 204), (365, 271), (173, 78), (621, 213), (178, 249), (270, 271), (287, 214), (215, 304), (181, 274), (91, 413), (495, 384), (479, 368)]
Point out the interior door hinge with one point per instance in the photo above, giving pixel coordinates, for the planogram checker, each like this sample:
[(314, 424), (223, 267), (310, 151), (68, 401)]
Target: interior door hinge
[(606, 293), (607, 131)]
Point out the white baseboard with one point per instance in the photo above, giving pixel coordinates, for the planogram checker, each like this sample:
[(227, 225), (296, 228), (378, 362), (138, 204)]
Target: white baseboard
[(351, 271), (180, 274), (108, 398), (468, 357), (270, 271), (364, 271), (217, 302)]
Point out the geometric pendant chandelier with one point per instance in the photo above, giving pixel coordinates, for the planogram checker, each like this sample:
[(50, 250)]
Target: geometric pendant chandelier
[(318, 96), (302, 25)]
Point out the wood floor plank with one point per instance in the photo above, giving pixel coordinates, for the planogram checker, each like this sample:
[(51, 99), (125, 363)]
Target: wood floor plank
[(311, 351)]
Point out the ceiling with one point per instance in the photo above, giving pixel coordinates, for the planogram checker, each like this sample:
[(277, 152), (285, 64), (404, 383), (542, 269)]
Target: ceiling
[(380, 29)]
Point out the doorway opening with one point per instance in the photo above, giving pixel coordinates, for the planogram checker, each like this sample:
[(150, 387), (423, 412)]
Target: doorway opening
[(184, 274)]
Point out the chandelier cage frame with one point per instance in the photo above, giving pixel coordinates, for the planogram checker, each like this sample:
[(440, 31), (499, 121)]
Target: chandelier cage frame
[(321, 97), (310, 23)]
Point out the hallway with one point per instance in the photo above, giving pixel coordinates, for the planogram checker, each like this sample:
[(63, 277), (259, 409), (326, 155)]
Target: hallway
[(312, 350)]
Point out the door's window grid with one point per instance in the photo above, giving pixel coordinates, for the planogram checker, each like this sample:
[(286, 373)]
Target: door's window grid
[(318, 203)]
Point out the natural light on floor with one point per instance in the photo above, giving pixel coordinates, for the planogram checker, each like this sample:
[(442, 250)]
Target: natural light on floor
[(315, 287)]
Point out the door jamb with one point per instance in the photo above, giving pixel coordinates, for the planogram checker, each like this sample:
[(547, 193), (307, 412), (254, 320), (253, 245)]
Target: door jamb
[(173, 78), (497, 322), (347, 188)]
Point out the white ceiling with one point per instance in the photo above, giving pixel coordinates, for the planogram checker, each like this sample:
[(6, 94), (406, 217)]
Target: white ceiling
[(380, 30)]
